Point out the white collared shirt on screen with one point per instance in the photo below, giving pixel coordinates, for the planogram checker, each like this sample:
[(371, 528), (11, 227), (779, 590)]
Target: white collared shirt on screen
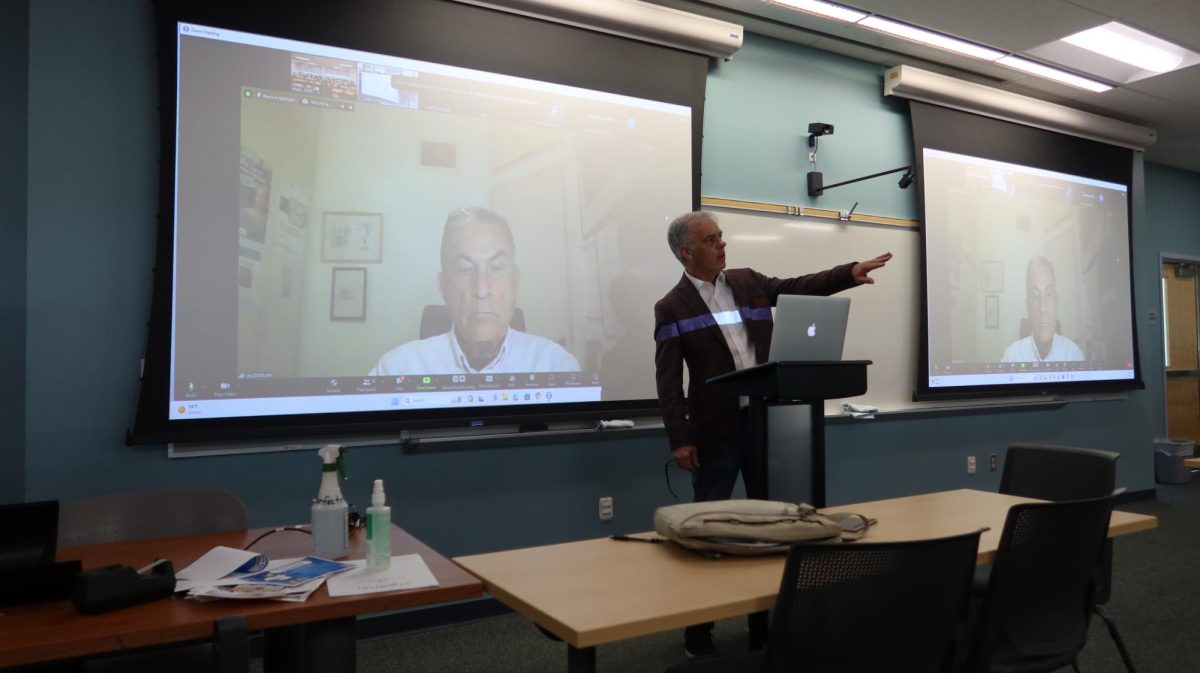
[(1062, 349), (441, 354)]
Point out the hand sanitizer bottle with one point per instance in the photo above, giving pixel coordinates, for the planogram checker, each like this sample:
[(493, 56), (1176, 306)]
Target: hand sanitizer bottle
[(330, 522), (379, 530)]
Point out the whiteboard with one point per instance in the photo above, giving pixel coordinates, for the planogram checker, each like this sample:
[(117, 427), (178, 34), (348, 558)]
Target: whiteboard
[(884, 317)]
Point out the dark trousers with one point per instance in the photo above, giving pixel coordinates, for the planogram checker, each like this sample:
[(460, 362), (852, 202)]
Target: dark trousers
[(716, 476)]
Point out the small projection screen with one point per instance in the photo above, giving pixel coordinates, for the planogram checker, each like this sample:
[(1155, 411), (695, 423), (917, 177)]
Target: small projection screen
[(1028, 273), (385, 215)]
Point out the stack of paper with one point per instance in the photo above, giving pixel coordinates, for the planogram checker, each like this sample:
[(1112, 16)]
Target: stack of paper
[(404, 572), (232, 573)]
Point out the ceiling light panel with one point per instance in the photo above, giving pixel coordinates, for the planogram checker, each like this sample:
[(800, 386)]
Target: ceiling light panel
[(1128, 45), (826, 9), (1035, 68), (930, 38)]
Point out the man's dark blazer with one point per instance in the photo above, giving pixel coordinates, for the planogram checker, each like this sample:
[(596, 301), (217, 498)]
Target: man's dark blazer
[(686, 332)]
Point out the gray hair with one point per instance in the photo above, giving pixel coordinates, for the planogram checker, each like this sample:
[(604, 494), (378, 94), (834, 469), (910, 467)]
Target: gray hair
[(677, 231), (460, 217), (1036, 261)]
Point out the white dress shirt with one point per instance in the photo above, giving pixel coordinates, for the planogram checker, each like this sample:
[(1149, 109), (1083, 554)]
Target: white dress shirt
[(441, 354), (719, 299), (1062, 349)]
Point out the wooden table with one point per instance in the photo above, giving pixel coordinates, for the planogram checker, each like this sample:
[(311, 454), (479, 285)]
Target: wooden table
[(598, 591), (1192, 462), (49, 631)]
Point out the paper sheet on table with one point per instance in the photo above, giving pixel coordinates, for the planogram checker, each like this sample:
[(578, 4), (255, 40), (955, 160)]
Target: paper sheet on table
[(226, 587), (405, 572), (231, 578), (221, 561)]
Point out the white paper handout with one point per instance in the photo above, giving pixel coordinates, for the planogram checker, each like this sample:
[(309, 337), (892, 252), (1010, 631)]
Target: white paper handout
[(216, 563), (404, 572)]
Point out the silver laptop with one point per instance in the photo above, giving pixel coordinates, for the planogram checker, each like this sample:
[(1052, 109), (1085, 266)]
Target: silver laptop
[(809, 329)]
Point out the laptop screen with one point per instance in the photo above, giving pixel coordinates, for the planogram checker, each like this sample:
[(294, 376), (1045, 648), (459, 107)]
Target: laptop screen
[(808, 328)]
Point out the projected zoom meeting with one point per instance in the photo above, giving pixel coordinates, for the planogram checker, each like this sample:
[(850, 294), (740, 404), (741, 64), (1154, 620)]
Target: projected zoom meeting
[(1028, 274), (357, 232)]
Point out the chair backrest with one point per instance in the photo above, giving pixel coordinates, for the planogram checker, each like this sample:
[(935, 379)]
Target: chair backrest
[(1051, 472), (149, 514), (870, 607), (1036, 609), (435, 320)]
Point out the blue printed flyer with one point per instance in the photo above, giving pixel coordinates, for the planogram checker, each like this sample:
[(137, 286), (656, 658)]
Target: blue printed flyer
[(299, 572)]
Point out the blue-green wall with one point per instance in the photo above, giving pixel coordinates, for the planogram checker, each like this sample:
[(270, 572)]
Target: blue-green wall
[(92, 152)]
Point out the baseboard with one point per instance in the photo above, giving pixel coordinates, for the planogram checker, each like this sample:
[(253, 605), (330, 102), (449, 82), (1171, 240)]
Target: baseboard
[(1136, 496)]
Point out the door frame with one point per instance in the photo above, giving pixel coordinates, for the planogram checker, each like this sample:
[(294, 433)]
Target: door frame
[(1168, 258)]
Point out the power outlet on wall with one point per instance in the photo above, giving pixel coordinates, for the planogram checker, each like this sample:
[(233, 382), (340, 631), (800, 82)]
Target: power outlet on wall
[(970, 464), (606, 508), (992, 462)]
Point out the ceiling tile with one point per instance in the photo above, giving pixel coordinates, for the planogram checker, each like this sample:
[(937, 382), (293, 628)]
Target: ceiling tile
[(1025, 27), (1148, 110), (1174, 20), (1117, 8), (1181, 86)]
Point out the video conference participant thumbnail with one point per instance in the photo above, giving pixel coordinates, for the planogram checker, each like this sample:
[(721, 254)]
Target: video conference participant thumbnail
[(478, 283), (1044, 343)]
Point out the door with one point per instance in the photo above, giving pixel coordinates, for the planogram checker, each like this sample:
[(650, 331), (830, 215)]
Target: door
[(1182, 361)]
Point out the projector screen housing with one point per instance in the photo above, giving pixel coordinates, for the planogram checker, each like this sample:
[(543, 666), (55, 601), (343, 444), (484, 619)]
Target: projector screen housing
[(638, 20), (340, 182), (905, 81)]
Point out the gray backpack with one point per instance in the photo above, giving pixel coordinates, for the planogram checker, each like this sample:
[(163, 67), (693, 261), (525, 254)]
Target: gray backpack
[(751, 527)]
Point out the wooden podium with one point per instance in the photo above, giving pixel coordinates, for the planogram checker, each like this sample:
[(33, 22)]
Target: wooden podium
[(775, 383)]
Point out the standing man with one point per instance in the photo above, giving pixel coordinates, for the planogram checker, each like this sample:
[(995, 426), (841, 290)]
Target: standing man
[(717, 321)]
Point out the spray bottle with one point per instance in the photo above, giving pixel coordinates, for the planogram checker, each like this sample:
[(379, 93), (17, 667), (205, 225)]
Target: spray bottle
[(379, 530), (330, 513)]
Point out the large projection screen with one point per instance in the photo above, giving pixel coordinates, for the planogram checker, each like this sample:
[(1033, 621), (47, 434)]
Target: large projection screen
[(1027, 260), (362, 241)]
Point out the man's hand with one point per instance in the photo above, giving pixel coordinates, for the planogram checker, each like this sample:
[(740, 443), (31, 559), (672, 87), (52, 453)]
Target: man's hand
[(685, 457), (861, 269)]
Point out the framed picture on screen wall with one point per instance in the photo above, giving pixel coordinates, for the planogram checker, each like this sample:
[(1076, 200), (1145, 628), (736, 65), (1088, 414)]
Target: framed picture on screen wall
[(348, 296), (356, 238)]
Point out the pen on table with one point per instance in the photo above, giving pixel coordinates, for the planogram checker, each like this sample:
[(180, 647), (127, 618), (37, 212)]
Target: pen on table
[(630, 538)]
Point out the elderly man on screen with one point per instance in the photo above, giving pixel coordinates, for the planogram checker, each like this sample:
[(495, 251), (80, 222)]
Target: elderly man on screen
[(1044, 343), (478, 283)]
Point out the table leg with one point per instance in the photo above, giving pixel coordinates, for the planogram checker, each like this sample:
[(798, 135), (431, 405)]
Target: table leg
[(757, 622), (581, 659), (320, 647)]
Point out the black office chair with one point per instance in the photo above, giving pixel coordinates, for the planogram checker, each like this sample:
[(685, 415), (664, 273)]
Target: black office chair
[(1035, 613), (864, 608), (435, 320), (1051, 472), (119, 517)]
